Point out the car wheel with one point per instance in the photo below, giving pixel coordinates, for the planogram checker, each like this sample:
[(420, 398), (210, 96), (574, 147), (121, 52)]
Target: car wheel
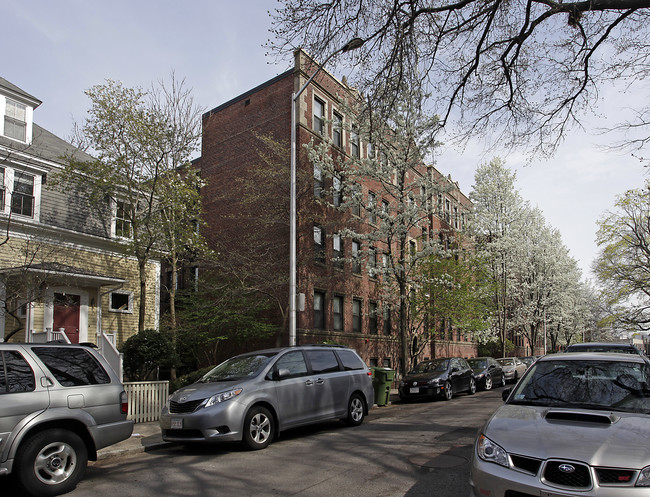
[(448, 392), (259, 428), (488, 383), (51, 462), (472, 387), (356, 411), (503, 380)]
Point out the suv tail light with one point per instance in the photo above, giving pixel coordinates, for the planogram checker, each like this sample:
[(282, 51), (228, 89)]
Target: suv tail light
[(124, 403)]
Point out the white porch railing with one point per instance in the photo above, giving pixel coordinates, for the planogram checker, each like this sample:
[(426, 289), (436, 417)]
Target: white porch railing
[(49, 335), (107, 348), (146, 399)]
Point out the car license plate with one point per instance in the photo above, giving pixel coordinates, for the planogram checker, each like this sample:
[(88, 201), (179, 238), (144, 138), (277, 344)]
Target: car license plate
[(415, 390), (177, 424)]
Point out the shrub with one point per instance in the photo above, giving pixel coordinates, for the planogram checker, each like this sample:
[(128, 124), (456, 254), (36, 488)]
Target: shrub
[(146, 351)]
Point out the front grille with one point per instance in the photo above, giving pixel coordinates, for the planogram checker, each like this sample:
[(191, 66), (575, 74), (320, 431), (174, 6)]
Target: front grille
[(184, 407), (577, 478), (527, 464), (614, 476)]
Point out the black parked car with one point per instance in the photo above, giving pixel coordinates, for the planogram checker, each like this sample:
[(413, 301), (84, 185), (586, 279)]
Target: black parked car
[(487, 372), (442, 377)]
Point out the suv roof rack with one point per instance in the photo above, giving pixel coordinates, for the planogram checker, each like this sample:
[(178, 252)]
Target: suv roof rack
[(339, 345)]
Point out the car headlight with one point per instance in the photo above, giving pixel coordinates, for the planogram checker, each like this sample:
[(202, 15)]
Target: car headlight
[(434, 381), (402, 383), (479, 376), (222, 397), (491, 452), (644, 478)]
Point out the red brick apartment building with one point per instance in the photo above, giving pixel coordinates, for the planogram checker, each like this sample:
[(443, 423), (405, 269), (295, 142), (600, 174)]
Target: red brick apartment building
[(246, 203)]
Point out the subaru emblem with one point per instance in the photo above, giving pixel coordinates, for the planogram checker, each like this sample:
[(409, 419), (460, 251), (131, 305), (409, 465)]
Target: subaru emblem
[(566, 468), (415, 383)]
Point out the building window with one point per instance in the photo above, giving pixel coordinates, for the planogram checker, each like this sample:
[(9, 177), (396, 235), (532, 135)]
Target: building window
[(372, 317), (123, 227), (319, 310), (319, 115), (412, 248), (385, 363), (16, 120), (319, 244), (336, 191), (372, 262), (371, 208), (372, 153), (356, 263), (337, 311), (354, 143), (337, 246), (318, 182), (356, 315), (120, 302), (22, 198), (388, 325), (455, 217), (337, 129)]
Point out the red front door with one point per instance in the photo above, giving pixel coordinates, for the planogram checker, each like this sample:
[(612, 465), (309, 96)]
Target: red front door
[(66, 315)]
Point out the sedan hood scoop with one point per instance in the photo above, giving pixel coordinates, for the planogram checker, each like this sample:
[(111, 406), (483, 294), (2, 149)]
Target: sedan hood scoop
[(581, 416)]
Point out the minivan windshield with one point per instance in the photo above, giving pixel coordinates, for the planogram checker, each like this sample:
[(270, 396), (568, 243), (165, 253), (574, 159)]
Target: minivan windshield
[(239, 368), (611, 385)]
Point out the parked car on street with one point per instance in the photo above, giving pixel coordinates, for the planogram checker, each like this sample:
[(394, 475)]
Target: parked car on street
[(442, 377), (253, 397), (575, 424), (487, 372), (513, 368), (622, 348), (529, 360), (59, 404)]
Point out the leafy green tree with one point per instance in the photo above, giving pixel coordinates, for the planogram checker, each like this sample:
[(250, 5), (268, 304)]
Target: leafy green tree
[(623, 264), (139, 140), (145, 352), (219, 310), (452, 287)]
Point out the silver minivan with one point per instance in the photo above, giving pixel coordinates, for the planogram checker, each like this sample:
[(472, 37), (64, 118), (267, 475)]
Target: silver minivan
[(253, 397), (59, 404)]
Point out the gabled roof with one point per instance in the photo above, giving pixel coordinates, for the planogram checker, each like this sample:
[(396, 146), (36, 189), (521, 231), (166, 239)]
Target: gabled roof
[(18, 93), (46, 146)]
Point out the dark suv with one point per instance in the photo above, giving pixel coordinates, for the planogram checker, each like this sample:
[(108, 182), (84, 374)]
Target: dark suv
[(59, 404)]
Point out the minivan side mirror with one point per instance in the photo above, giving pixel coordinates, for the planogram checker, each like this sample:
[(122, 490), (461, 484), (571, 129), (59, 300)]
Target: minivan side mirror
[(280, 374), (505, 394)]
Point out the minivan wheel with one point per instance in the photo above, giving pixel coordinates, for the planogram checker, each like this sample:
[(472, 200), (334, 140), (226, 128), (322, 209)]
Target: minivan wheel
[(51, 462), (356, 411), (259, 428)]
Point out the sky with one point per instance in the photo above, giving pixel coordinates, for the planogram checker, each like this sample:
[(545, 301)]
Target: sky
[(62, 48)]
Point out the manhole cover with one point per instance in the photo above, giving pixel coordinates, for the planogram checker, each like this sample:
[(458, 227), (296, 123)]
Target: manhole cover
[(441, 461)]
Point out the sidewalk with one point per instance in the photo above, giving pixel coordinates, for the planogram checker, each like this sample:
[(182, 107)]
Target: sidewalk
[(147, 436)]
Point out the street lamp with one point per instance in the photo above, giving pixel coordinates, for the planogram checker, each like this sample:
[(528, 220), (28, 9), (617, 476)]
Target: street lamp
[(351, 45)]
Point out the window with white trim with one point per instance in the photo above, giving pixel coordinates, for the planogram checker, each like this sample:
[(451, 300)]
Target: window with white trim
[(15, 124), (22, 197), (123, 226), (120, 301)]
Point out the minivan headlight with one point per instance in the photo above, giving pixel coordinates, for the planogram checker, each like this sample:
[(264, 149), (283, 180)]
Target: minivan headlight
[(223, 396), (491, 452)]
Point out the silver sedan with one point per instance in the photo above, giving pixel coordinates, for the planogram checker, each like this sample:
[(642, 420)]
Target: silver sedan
[(575, 424)]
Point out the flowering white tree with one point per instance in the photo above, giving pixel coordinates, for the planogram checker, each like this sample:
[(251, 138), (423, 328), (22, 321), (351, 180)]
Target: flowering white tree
[(406, 194)]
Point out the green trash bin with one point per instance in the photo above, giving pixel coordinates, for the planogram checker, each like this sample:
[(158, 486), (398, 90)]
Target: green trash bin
[(382, 380)]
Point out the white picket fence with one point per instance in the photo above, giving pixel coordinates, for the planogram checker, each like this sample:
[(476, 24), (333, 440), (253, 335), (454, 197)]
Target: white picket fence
[(146, 399)]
